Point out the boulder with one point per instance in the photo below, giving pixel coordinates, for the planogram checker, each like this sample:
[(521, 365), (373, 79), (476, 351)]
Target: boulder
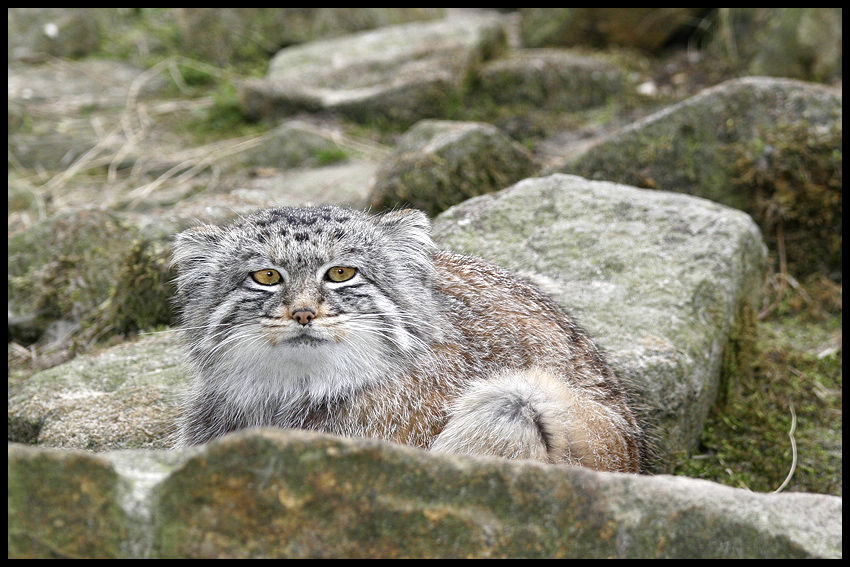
[(230, 36), (643, 28), (555, 79), (64, 272), (397, 74), (438, 163), (667, 284), (281, 494), (123, 397), (800, 43), (770, 147)]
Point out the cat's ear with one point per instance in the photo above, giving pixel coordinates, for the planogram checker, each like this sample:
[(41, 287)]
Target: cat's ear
[(407, 224), (193, 245)]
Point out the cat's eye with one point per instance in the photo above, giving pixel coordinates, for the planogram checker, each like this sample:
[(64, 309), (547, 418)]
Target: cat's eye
[(266, 277), (340, 273)]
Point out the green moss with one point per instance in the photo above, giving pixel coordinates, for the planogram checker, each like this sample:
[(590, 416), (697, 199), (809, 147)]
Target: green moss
[(224, 118), (140, 298), (798, 364), (794, 173), (328, 156)]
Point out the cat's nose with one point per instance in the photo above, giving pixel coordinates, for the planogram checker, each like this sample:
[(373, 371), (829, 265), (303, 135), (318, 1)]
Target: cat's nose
[(303, 315)]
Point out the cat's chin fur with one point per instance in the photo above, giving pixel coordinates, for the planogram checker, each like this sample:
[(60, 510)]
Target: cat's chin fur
[(301, 373)]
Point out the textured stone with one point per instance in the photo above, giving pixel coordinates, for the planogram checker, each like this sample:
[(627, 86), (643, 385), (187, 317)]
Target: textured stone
[(123, 397), (300, 494), (63, 504), (667, 284), (552, 78), (397, 74), (770, 147), (439, 163)]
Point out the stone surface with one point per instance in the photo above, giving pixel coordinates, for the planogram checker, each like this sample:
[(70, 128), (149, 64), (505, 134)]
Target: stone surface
[(228, 36), (551, 78), (281, 494), (124, 397), (438, 163), (642, 28), (397, 74), (667, 284), (63, 504), (800, 43), (686, 147), (770, 147)]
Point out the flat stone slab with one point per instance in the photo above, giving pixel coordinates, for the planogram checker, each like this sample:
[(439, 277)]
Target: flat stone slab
[(401, 73)]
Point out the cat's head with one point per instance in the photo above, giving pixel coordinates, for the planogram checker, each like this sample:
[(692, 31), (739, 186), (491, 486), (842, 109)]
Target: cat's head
[(294, 292)]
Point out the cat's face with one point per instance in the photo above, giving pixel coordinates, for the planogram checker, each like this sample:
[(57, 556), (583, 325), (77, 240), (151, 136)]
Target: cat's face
[(311, 300)]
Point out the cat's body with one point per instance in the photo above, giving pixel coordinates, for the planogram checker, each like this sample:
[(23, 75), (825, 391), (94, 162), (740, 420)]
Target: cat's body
[(335, 320)]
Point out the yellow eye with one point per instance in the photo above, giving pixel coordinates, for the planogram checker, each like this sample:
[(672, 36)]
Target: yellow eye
[(266, 277), (341, 273)]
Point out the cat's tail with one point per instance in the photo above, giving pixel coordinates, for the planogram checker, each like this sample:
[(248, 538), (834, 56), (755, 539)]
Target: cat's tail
[(535, 414)]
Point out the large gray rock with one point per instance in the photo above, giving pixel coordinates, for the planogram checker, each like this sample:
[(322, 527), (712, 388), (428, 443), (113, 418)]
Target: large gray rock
[(276, 493), (439, 163), (770, 147), (668, 284), (398, 73)]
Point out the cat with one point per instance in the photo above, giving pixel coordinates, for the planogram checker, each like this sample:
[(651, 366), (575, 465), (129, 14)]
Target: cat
[(356, 324)]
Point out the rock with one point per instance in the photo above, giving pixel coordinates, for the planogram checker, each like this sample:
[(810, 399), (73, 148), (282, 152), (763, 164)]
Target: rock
[(230, 36), (758, 144), (800, 43), (277, 493), (63, 504), (643, 28), (439, 163), (667, 284), (65, 268), (294, 143), (551, 78), (398, 73), (123, 397)]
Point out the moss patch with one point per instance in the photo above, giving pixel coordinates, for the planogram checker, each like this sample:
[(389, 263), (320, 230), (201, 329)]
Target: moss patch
[(746, 442), (794, 174)]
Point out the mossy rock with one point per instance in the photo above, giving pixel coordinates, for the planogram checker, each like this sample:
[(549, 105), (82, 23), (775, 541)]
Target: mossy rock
[(770, 147), (439, 163), (642, 28), (554, 79), (89, 271)]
